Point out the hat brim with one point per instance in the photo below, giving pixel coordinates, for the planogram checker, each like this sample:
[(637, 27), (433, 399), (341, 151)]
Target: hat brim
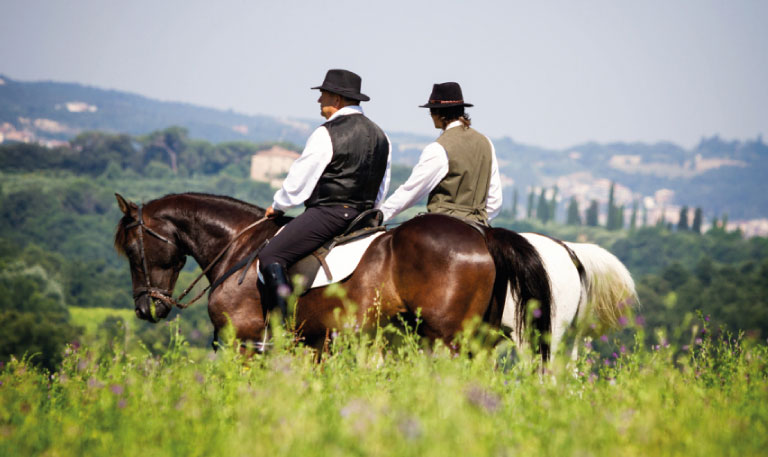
[(445, 105), (344, 93)]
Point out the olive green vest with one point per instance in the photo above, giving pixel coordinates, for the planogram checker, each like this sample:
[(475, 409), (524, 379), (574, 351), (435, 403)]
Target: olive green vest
[(464, 190)]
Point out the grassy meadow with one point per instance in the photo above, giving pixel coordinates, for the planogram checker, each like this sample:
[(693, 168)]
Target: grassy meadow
[(370, 397)]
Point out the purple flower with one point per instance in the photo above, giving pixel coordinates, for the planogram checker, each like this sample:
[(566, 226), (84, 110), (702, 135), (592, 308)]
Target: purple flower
[(606, 362), (623, 349), (484, 399), (116, 389), (2, 364), (604, 338), (703, 331), (707, 318), (283, 290), (686, 347), (639, 321), (615, 355), (623, 321), (121, 403), (537, 313), (588, 345), (698, 341)]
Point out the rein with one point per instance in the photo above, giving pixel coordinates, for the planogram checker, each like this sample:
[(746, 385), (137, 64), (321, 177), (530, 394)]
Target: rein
[(164, 294)]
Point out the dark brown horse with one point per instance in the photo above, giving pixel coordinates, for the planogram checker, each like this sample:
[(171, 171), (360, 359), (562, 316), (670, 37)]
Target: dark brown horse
[(436, 266)]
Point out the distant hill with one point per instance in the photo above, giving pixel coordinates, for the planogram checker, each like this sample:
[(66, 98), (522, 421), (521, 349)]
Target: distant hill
[(74, 108), (717, 175)]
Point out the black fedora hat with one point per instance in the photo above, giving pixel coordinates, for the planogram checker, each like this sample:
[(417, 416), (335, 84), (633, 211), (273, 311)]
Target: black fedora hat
[(344, 83), (445, 95)]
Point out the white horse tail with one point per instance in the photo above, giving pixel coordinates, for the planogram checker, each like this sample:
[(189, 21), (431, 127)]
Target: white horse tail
[(610, 288)]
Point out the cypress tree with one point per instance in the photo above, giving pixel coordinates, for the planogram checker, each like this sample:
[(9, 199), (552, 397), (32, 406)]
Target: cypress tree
[(611, 221), (542, 210), (573, 217), (697, 217), (633, 218), (682, 221), (592, 214), (553, 204)]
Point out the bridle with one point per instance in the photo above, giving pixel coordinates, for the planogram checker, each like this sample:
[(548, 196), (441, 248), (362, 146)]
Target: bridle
[(166, 295), (154, 292)]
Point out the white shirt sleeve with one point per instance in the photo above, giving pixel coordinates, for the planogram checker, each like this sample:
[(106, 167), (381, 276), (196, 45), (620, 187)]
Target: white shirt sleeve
[(426, 175), (305, 172), (384, 187), (493, 203)]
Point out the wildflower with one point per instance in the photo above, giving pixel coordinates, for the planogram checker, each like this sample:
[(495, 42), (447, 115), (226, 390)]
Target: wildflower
[(121, 403), (116, 389), (639, 321), (707, 318), (623, 349), (698, 341), (703, 331), (606, 362), (537, 313), (590, 361), (623, 321), (94, 383), (588, 345), (685, 347), (483, 398), (615, 355), (410, 427), (604, 338), (283, 290)]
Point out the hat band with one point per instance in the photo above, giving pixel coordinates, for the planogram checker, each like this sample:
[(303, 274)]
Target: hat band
[(446, 101)]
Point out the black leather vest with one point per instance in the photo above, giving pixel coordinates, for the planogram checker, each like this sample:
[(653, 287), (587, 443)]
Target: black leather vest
[(353, 177)]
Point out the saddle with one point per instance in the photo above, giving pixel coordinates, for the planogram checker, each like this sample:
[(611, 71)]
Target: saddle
[(364, 225)]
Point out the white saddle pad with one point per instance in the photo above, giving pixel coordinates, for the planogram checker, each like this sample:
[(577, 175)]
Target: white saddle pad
[(342, 260)]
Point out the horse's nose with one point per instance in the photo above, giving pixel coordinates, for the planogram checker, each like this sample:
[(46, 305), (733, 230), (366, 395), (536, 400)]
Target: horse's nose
[(143, 310)]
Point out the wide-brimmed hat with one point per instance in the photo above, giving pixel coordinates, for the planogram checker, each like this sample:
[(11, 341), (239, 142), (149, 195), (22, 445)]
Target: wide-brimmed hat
[(344, 83), (445, 95)]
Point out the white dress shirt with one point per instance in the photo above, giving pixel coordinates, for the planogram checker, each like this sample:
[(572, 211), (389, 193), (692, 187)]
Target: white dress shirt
[(427, 174), (305, 172)]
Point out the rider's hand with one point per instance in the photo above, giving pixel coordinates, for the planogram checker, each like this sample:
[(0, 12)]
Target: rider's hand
[(272, 213)]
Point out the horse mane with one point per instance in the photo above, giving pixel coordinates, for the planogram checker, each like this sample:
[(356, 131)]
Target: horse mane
[(233, 206)]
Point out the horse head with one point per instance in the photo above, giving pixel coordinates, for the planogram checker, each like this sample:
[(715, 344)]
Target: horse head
[(147, 240)]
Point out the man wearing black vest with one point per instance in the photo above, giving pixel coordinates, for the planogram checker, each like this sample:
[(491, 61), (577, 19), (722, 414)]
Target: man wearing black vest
[(343, 170), (458, 171)]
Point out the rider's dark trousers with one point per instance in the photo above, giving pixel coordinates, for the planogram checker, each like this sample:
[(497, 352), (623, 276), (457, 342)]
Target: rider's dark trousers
[(307, 232)]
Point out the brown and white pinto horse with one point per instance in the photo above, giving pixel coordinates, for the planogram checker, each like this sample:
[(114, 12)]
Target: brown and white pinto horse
[(437, 266)]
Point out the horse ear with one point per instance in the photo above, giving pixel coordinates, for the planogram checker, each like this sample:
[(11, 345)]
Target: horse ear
[(125, 205)]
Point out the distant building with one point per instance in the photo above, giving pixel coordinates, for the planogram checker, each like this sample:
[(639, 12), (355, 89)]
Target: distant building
[(271, 165)]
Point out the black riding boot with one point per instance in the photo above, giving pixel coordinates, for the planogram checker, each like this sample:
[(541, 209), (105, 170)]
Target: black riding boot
[(278, 287)]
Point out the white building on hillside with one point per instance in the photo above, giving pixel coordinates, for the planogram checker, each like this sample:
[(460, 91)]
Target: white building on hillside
[(271, 165)]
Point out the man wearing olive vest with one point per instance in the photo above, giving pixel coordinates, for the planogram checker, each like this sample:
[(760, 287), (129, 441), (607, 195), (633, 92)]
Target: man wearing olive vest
[(459, 171), (343, 170)]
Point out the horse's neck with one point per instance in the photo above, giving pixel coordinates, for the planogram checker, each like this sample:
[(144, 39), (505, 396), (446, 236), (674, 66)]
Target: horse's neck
[(205, 234)]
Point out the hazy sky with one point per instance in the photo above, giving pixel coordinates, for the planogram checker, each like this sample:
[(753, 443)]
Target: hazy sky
[(548, 73)]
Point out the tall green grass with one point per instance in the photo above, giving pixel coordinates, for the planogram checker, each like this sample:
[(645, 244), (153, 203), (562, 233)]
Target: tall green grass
[(370, 397)]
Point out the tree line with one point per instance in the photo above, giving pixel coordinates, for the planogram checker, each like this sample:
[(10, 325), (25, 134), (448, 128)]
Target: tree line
[(542, 206)]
